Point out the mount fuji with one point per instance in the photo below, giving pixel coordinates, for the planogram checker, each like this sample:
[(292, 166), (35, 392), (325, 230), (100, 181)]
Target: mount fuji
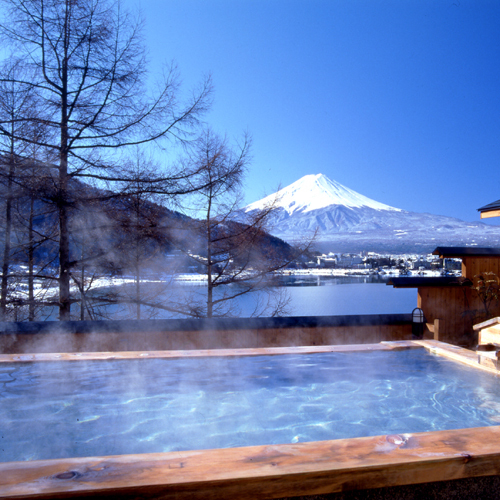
[(345, 220)]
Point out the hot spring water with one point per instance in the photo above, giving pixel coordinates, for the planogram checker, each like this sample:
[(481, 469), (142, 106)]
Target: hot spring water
[(88, 408)]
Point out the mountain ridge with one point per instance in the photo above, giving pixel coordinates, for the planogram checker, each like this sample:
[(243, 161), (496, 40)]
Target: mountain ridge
[(348, 221)]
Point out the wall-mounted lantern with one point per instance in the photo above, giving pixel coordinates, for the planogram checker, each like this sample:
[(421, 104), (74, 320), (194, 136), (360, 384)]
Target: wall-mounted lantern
[(417, 324)]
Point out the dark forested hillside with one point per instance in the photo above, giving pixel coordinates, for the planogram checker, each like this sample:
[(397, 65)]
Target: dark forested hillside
[(112, 233)]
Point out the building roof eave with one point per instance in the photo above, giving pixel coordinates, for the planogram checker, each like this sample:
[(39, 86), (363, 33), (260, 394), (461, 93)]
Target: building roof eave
[(440, 281), (460, 252), (495, 205)]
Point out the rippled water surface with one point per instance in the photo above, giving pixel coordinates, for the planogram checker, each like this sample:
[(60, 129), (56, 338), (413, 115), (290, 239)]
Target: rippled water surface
[(74, 409)]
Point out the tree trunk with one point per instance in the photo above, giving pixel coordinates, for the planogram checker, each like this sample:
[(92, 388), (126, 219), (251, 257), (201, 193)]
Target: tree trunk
[(64, 288), (31, 294), (82, 285), (8, 230), (210, 285), (137, 258), (138, 292)]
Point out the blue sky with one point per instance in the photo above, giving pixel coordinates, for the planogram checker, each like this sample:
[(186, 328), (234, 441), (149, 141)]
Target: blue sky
[(398, 100)]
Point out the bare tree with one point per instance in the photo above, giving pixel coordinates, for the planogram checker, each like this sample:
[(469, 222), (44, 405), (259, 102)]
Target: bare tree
[(31, 239), (36, 235), (18, 108), (237, 254), (138, 220), (125, 232), (89, 65)]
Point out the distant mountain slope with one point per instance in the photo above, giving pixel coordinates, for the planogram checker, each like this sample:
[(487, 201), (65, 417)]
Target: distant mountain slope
[(110, 226), (351, 222)]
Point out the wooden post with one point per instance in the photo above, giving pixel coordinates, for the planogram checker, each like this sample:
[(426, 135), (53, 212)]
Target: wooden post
[(436, 329)]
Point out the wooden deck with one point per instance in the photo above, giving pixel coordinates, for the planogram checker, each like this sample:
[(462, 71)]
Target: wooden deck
[(489, 331), (489, 334)]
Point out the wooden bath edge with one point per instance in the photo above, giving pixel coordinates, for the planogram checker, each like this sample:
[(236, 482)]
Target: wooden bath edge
[(270, 471), (196, 353), (450, 351)]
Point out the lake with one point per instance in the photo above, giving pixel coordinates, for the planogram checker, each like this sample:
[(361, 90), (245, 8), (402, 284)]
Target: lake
[(308, 295), (335, 296), (311, 295)]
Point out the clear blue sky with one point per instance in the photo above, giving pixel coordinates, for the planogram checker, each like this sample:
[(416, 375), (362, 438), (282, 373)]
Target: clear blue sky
[(398, 100)]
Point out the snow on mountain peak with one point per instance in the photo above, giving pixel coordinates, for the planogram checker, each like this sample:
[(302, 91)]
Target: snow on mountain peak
[(313, 192)]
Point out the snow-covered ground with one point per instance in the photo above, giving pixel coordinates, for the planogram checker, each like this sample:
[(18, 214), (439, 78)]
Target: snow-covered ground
[(355, 272), (323, 272), (102, 282)]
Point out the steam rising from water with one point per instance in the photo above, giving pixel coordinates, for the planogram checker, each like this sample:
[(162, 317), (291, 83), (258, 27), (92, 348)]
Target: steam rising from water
[(99, 408)]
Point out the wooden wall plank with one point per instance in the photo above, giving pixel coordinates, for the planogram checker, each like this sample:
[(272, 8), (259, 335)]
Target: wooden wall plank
[(183, 340), (490, 213)]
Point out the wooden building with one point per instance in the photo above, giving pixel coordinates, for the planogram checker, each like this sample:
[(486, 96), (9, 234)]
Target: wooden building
[(490, 210), (452, 305)]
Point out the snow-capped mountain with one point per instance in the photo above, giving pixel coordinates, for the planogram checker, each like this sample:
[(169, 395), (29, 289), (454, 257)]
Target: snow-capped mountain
[(352, 222), (314, 192)]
